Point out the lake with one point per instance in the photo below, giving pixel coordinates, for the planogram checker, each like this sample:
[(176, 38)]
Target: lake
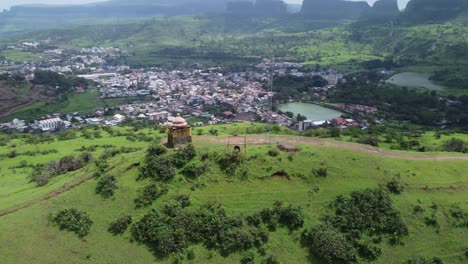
[(413, 79), (311, 111)]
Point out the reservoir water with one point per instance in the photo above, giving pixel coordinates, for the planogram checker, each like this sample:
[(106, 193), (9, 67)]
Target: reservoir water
[(311, 111), (413, 79)]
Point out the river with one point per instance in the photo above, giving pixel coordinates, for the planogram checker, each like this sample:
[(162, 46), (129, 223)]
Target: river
[(311, 111)]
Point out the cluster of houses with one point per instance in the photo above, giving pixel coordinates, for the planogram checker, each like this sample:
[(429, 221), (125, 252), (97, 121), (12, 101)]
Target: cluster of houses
[(158, 93)]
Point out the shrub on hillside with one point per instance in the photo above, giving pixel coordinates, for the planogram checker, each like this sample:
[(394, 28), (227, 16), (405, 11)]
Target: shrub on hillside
[(454, 145), (329, 244), (155, 150), (120, 225), (106, 186), (184, 155), (183, 200), (460, 216), (72, 220), (148, 195), (273, 152), (248, 257), (395, 186), (43, 173), (368, 250), (177, 228), (194, 170), (158, 168), (320, 172), (369, 140), (230, 161), (376, 213)]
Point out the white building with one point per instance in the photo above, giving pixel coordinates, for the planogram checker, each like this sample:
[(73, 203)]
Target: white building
[(160, 116), (51, 124)]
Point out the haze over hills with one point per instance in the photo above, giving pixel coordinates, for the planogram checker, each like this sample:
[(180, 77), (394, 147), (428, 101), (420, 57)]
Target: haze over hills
[(334, 9), (383, 9)]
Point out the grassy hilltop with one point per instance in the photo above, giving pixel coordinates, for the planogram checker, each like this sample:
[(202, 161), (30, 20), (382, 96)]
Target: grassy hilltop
[(433, 186)]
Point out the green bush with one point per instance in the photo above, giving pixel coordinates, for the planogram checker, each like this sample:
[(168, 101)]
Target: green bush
[(43, 173), (329, 244), (106, 186), (454, 145), (184, 155), (158, 168), (248, 257), (460, 216), (120, 225), (230, 161), (195, 170), (273, 152), (368, 250), (72, 220), (321, 172), (148, 195), (395, 186), (183, 200)]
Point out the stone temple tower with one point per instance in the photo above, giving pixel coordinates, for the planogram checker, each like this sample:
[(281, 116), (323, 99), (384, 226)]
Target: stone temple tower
[(179, 132)]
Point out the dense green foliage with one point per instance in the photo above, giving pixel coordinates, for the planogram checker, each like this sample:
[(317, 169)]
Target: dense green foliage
[(73, 220), (327, 243), (426, 108), (296, 88), (357, 225), (148, 195), (106, 186), (175, 228), (120, 225), (61, 84), (44, 172)]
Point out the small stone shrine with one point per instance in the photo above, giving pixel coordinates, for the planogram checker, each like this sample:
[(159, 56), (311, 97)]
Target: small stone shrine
[(179, 132)]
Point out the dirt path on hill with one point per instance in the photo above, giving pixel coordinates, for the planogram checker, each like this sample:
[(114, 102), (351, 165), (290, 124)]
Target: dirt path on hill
[(298, 141)]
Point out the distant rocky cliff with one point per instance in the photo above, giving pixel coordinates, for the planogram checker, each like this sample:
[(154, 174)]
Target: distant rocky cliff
[(334, 9)]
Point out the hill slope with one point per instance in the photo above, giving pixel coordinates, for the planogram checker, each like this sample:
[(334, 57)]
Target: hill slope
[(259, 181)]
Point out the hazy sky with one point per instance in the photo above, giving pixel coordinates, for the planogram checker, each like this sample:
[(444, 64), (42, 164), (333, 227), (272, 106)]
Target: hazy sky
[(4, 4)]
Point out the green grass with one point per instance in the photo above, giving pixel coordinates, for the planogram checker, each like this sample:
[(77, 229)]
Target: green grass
[(22, 56), (84, 102), (28, 238)]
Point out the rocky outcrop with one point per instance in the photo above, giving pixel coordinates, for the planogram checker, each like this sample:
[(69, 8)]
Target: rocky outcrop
[(434, 10), (383, 9), (260, 7), (334, 9)]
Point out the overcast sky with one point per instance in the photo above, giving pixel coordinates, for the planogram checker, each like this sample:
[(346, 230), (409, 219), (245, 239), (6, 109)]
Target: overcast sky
[(4, 4)]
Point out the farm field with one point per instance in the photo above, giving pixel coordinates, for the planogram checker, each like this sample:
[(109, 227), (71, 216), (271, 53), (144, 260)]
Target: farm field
[(28, 236)]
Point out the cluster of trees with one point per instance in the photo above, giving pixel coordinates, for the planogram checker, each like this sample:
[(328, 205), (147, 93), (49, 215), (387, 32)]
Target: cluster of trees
[(62, 84), (357, 226), (425, 108), (455, 145), (106, 186), (157, 165), (291, 87), (72, 220), (42, 173), (120, 225), (177, 227), (149, 194)]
